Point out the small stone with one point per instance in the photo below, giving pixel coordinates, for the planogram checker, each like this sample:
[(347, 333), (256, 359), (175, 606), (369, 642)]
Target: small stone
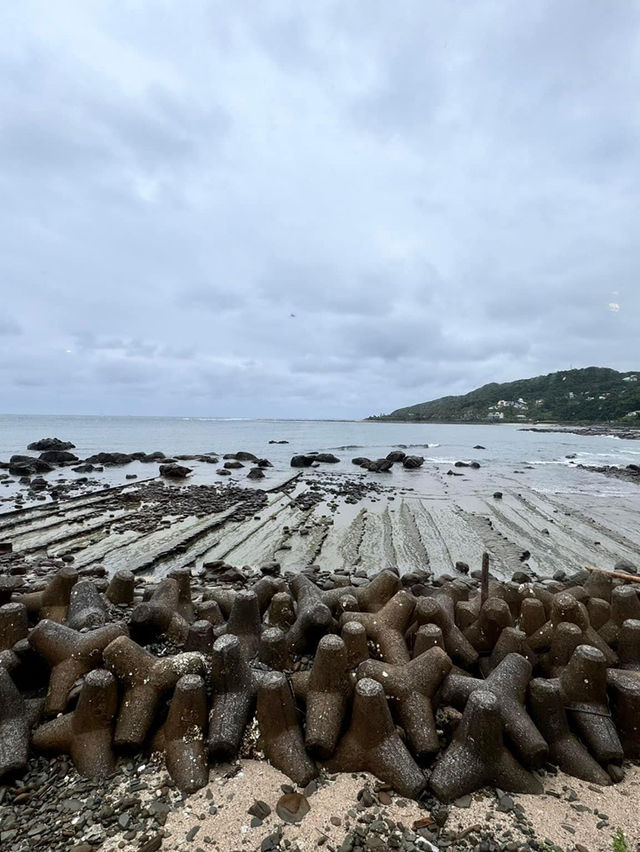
[(259, 809), (463, 802), (292, 807), (505, 804)]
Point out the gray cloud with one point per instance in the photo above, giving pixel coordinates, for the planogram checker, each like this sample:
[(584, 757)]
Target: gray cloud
[(9, 326), (271, 210)]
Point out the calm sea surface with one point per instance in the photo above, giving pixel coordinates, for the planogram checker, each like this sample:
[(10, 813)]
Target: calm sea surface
[(506, 446)]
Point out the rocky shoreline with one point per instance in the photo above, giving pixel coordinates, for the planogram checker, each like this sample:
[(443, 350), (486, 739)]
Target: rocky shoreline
[(629, 433), (630, 473), (155, 694)]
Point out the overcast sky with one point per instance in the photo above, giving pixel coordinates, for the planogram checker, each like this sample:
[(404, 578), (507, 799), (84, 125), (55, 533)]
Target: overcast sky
[(312, 209)]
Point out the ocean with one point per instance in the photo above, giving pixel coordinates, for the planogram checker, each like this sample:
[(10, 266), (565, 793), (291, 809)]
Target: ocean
[(506, 446)]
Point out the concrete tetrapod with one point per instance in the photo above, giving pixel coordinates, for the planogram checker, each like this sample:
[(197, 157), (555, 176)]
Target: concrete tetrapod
[(412, 686), (565, 639), (87, 610), (233, 689), (493, 617), (370, 598), (53, 601), (599, 612), (245, 622), (565, 607), (183, 735), (329, 692), (159, 615), (629, 645), (599, 584), (274, 650), (427, 636), (313, 616), (371, 744), (70, 654), (624, 692), (478, 757), (85, 733), (532, 616), (625, 604), (14, 624), (281, 612), (511, 641), (508, 682), (120, 588), (16, 718), (583, 683), (185, 605), (565, 749), (432, 611), (280, 730), (265, 589), (146, 680), (387, 626), (199, 637), (354, 637)]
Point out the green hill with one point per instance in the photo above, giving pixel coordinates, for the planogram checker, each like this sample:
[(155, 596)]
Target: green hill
[(590, 395)]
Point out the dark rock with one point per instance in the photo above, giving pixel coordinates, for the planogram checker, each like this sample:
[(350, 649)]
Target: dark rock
[(292, 807), (174, 471), (302, 461), (412, 462), (51, 444), (109, 459), (58, 456)]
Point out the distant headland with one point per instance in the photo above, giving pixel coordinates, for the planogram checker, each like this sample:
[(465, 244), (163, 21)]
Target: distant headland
[(589, 395)]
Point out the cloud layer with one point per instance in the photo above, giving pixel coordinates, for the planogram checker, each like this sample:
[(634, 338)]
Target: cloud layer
[(314, 210)]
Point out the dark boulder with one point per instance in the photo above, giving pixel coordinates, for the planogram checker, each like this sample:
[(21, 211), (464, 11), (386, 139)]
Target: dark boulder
[(255, 473), (27, 466), (109, 459), (233, 465), (413, 462), (361, 461), (58, 456), (174, 471), (329, 458), (148, 457), (396, 456), (241, 456), (302, 461), (379, 466), (51, 444)]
